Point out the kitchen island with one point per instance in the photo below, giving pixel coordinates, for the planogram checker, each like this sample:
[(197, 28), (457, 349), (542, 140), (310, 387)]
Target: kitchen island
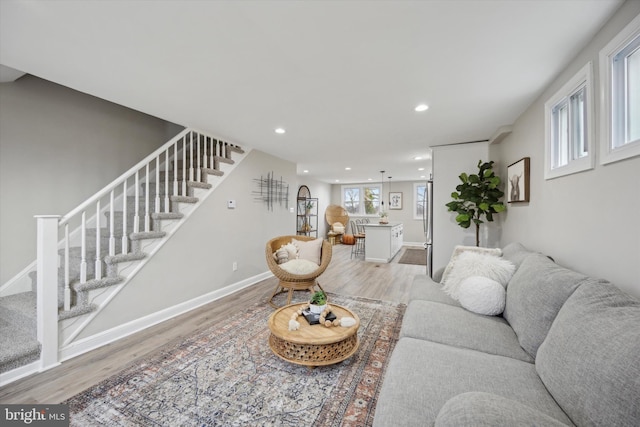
[(382, 241)]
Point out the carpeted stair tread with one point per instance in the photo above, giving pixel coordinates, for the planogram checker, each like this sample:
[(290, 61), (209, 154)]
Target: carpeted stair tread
[(217, 160), (143, 235), (77, 310), (166, 215), (18, 334), (235, 148), (215, 172), (184, 199), (198, 184), (131, 256), (97, 283)]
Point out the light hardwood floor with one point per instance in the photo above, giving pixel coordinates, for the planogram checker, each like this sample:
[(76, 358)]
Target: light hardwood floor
[(344, 276)]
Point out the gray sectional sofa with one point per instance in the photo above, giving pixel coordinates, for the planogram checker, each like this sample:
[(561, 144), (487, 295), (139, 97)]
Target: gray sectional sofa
[(566, 351)]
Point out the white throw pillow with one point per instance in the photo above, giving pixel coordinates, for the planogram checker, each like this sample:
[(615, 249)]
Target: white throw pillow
[(309, 250), (291, 249), (299, 266), (482, 295), (470, 264), (458, 250)]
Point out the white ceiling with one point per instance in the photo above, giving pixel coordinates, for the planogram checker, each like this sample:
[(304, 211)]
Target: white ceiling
[(342, 77)]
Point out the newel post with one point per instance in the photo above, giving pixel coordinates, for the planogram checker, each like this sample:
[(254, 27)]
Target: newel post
[(47, 292)]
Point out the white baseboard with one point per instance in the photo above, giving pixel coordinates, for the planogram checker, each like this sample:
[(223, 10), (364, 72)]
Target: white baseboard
[(91, 343), (18, 373)]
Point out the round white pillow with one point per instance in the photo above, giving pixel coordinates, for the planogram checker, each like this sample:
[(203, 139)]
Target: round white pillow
[(482, 295)]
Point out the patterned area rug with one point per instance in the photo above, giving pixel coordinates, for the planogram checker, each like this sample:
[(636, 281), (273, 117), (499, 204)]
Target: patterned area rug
[(226, 375)]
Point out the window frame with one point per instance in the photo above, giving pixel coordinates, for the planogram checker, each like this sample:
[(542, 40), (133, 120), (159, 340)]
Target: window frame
[(361, 202), (577, 159), (611, 118)]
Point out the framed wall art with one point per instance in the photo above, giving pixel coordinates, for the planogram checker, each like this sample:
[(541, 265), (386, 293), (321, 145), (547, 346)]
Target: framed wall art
[(518, 181), (395, 200)]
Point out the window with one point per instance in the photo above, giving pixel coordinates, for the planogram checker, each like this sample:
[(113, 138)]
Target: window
[(568, 125), (361, 199), (419, 200), (620, 80)]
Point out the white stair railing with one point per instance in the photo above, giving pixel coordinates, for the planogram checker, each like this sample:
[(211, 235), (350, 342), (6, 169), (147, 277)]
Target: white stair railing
[(170, 159)]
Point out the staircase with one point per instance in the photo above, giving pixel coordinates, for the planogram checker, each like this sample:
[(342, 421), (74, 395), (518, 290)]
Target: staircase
[(104, 242)]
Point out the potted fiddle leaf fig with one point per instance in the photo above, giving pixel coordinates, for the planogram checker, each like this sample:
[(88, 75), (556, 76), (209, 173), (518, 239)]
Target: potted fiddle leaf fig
[(478, 196)]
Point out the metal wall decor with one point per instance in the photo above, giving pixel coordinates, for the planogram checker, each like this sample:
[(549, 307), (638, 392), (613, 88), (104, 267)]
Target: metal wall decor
[(272, 191)]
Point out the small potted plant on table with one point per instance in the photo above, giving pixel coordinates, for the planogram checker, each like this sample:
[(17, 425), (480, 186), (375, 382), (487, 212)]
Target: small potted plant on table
[(318, 302)]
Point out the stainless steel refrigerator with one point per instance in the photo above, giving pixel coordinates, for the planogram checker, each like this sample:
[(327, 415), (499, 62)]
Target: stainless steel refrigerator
[(427, 223)]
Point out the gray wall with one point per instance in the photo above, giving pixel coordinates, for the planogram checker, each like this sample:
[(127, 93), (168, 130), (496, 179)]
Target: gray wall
[(198, 259), (586, 221), (57, 148)]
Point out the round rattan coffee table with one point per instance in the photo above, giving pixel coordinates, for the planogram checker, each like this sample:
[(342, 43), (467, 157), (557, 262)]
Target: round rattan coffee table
[(312, 345)]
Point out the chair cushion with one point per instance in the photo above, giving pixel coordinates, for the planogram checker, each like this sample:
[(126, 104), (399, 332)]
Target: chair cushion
[(590, 360), (299, 266), (309, 250), (534, 296), (338, 228)]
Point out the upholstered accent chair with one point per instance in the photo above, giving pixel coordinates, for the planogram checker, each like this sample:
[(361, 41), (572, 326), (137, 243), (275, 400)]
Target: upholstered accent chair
[(290, 281)]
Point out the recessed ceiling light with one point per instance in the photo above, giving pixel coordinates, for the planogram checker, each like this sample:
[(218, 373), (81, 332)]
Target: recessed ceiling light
[(305, 171), (280, 130), (420, 169), (347, 168), (421, 107), (369, 179), (337, 180), (422, 176), (417, 158)]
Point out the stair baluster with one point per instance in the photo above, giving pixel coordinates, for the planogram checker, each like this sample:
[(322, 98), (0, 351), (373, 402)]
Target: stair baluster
[(98, 274), (83, 249), (112, 236), (147, 213), (125, 239), (167, 162), (67, 280)]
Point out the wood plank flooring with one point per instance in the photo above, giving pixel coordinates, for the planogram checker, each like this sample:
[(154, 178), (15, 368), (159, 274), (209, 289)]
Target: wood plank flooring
[(344, 276)]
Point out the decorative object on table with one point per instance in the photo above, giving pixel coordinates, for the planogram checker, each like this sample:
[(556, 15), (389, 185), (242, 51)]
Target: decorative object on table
[(213, 363), (301, 271), (272, 191), (518, 181), (318, 302), (395, 200), (384, 217), (478, 196)]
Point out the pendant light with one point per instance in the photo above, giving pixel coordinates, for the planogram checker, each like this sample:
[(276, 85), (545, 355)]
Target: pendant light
[(381, 191)]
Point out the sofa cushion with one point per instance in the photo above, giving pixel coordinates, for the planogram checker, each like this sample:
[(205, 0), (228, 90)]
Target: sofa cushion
[(472, 263), (482, 295), (478, 409), (516, 253), (422, 376), (458, 327), (534, 296), (590, 360), (423, 288)]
